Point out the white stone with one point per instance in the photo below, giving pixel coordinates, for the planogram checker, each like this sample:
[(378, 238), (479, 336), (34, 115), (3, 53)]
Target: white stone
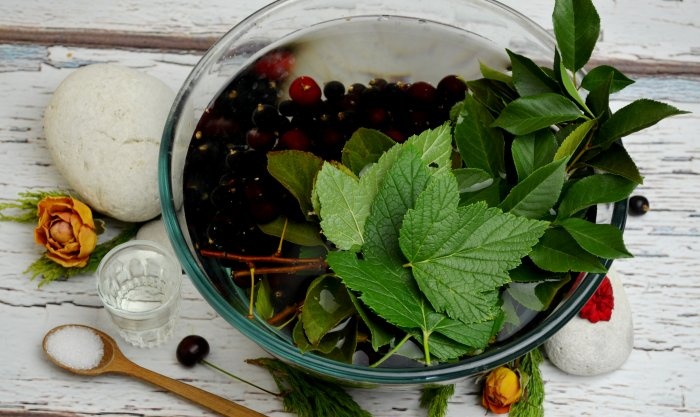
[(587, 349), (103, 127), (155, 232)]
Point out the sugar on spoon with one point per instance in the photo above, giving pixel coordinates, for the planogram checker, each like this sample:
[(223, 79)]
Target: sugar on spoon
[(112, 360)]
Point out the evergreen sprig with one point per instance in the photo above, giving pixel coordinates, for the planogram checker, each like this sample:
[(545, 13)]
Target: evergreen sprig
[(531, 403), (434, 399), (25, 207)]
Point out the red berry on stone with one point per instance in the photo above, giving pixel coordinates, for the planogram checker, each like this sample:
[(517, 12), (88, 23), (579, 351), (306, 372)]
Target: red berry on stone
[(305, 91)]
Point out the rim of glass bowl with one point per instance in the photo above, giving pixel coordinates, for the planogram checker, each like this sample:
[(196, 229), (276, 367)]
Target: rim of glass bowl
[(270, 342)]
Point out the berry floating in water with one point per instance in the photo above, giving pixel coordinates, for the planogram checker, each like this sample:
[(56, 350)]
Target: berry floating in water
[(638, 205)]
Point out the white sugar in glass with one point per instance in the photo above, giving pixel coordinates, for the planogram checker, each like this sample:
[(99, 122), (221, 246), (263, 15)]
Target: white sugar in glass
[(76, 347)]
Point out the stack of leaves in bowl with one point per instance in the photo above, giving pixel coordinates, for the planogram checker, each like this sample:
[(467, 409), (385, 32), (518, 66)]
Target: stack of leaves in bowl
[(433, 248)]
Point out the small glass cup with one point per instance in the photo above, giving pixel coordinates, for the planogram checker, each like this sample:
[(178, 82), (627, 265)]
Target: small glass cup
[(139, 285)]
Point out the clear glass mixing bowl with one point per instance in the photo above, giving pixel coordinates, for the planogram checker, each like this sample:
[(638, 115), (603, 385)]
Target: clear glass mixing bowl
[(487, 28)]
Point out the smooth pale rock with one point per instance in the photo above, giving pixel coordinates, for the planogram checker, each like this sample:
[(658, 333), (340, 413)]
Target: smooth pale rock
[(587, 349), (155, 231), (103, 127)]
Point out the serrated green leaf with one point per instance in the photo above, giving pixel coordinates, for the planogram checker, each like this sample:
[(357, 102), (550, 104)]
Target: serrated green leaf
[(591, 190), (576, 28), (574, 140), (479, 145), (459, 256), (404, 181), (434, 146), (529, 114), (365, 147), (470, 180), (616, 160), (346, 344), (638, 115), (533, 151), (603, 240), (528, 78), (557, 251), (302, 342), (379, 335), (296, 171), (534, 196), (494, 74), (326, 305), (344, 205), (299, 233), (527, 272), (600, 75)]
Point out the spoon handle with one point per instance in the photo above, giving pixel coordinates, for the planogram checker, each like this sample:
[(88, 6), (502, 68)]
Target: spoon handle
[(204, 398)]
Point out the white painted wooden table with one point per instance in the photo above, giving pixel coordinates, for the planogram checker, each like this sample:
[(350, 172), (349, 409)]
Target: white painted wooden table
[(41, 42)]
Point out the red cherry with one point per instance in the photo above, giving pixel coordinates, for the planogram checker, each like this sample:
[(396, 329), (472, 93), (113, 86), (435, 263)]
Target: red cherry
[(275, 65), (305, 91)]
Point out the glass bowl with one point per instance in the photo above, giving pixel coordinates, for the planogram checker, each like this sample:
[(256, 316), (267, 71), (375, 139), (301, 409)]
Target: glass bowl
[(417, 40)]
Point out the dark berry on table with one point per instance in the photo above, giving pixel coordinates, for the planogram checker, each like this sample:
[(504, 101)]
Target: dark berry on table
[(295, 139), (191, 350), (275, 65), (638, 205), (334, 90), (305, 91), (260, 139)]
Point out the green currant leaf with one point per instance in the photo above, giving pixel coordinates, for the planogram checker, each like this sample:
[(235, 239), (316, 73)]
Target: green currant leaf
[(598, 99), (567, 83), (459, 256), (603, 240), (576, 28), (529, 114), (365, 147), (591, 190), (491, 195), (493, 95), (528, 78), (299, 233), (536, 296), (479, 145), (346, 344), (263, 300), (533, 151), (296, 171), (534, 196), (434, 146), (600, 75), (326, 305), (344, 205), (634, 117), (557, 251), (494, 74), (616, 160), (471, 179), (379, 334), (574, 140)]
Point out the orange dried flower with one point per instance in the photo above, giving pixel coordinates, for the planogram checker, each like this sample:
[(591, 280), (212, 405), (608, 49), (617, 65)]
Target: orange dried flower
[(67, 230), (501, 390)]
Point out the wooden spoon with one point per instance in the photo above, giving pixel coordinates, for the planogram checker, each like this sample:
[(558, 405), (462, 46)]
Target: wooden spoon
[(114, 361)]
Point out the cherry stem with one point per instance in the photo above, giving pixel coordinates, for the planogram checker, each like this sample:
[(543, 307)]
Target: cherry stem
[(307, 266), (253, 258), (285, 313), (223, 371)]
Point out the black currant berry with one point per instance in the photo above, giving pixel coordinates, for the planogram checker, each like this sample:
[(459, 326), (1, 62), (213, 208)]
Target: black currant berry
[(191, 350), (334, 90), (638, 205), (266, 116)]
